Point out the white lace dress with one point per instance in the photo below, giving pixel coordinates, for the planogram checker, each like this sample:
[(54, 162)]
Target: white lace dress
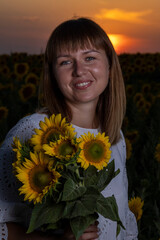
[(13, 210)]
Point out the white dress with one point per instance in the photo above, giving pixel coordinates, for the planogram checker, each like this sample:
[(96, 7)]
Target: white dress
[(13, 210)]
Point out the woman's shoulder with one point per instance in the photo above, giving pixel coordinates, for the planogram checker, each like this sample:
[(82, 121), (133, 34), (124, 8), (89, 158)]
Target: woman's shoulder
[(26, 125), (34, 118)]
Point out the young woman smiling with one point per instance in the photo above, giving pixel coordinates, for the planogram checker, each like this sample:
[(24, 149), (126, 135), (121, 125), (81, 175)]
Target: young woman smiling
[(82, 81)]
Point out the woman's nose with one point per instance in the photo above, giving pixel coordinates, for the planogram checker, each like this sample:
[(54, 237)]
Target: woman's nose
[(79, 68)]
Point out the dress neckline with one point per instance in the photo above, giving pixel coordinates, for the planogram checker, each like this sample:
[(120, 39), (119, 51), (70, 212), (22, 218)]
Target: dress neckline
[(81, 129)]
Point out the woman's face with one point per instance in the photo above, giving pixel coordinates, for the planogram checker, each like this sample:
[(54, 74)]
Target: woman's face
[(82, 75)]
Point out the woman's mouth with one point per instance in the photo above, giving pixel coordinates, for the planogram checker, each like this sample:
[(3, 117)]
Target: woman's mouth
[(83, 85)]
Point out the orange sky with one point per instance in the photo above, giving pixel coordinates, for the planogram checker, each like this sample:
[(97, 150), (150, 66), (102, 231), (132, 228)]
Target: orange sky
[(25, 25)]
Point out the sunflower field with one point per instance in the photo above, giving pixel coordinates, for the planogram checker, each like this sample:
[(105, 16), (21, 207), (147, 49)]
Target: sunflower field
[(20, 75)]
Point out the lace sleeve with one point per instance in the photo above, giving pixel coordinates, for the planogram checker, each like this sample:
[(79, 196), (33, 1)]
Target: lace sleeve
[(12, 207), (3, 231)]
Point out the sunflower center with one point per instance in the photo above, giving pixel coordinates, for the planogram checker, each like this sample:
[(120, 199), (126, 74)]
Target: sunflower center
[(51, 135), (65, 149), (39, 178), (94, 151)]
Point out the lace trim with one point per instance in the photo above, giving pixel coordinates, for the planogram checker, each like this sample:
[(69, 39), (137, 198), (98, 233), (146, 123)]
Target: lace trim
[(3, 231)]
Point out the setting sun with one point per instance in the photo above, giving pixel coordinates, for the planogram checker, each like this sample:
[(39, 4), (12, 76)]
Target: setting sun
[(117, 40), (122, 43)]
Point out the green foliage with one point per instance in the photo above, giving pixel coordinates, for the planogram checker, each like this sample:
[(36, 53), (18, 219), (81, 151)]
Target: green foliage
[(79, 203), (46, 213), (72, 191)]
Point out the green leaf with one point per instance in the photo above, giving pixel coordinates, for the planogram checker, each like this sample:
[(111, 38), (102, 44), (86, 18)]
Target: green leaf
[(90, 171), (75, 209), (90, 176), (106, 175), (118, 229), (70, 172), (79, 224), (69, 208), (108, 208), (157, 225), (83, 206), (25, 151), (89, 199), (72, 191), (44, 214), (89, 181), (52, 226)]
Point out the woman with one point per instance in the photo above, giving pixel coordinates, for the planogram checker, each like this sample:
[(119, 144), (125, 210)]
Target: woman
[(82, 81)]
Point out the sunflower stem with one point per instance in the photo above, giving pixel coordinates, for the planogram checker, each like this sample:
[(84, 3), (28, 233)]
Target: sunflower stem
[(78, 174)]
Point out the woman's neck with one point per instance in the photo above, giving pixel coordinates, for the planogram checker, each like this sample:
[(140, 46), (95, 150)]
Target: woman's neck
[(84, 116)]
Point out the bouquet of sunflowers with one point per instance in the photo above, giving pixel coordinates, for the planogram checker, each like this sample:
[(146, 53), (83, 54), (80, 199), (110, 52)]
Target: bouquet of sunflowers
[(63, 177)]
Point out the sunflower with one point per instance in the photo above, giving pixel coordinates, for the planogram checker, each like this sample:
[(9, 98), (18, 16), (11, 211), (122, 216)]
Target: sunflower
[(37, 177), (5, 70), (19, 57), (157, 153), (27, 91), (150, 68), (138, 96), (16, 147), (128, 148), (146, 88), (135, 205), (129, 90), (22, 150), (64, 148), (147, 106), (141, 104), (32, 78), (4, 59), (14, 77), (3, 112), (125, 122), (21, 69), (95, 150), (132, 136), (51, 130)]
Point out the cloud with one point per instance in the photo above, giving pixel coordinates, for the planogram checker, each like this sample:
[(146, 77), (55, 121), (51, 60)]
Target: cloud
[(30, 18), (122, 15)]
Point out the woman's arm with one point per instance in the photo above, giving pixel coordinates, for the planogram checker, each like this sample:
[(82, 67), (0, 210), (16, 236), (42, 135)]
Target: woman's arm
[(18, 232)]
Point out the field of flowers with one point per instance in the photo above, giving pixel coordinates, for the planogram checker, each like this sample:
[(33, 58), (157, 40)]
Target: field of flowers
[(20, 74)]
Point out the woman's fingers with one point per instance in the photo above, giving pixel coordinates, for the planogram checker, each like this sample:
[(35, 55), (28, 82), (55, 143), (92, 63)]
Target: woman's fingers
[(92, 228), (89, 236), (90, 233)]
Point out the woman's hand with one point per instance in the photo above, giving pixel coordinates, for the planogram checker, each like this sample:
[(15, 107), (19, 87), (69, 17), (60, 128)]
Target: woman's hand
[(91, 233)]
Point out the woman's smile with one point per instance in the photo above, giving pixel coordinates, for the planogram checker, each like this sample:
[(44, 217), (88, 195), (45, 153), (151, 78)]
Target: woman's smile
[(81, 85)]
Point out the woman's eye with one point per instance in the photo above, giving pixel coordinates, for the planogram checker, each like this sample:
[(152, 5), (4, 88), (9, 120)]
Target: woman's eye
[(90, 58), (65, 62)]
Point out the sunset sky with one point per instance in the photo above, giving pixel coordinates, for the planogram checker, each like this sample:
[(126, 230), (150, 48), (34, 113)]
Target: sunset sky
[(133, 26)]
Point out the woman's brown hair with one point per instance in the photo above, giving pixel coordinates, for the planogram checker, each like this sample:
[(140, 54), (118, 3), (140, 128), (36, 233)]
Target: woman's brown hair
[(83, 33)]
